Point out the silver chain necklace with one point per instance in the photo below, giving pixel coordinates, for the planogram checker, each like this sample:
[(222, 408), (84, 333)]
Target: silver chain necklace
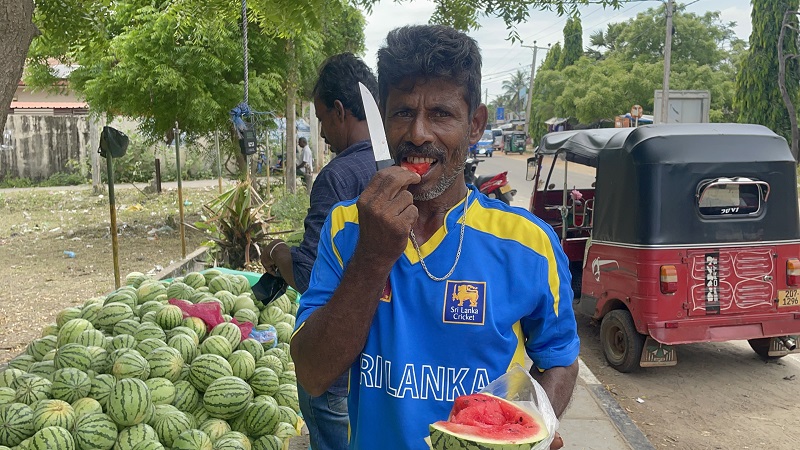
[(458, 253)]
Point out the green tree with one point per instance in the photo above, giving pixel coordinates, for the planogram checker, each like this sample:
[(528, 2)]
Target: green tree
[(758, 98), (514, 89), (573, 43), (551, 59)]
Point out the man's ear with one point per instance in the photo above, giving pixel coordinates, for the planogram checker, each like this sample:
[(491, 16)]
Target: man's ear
[(340, 110), (478, 123)]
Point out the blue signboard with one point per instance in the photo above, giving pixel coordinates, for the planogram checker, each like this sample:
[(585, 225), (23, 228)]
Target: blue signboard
[(501, 113)]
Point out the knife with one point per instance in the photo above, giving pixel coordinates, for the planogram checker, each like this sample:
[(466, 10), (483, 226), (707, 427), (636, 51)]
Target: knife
[(380, 148)]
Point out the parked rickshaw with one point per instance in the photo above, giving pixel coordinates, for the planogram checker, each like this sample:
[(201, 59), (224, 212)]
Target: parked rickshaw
[(514, 142), (690, 233)]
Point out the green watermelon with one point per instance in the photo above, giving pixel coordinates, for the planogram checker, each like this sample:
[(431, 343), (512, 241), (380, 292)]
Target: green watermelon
[(67, 314), (149, 290), (196, 324), (242, 364), (52, 438), (486, 421), (194, 279), (70, 384), (170, 426), (169, 317), (16, 423), (111, 314), (165, 362), (268, 442), (231, 444), (99, 359), (42, 369), (94, 431), (102, 385), (6, 395), (130, 365), (162, 391), (69, 332), (148, 345), (207, 368), (129, 437), (127, 327), (184, 330), (227, 397), (261, 418), (123, 341), (85, 406), (31, 389), (185, 346), (287, 396), (253, 347), (192, 440), (284, 431), (73, 355), (214, 428), (271, 361), (216, 345), (265, 381), (148, 307), (128, 402), (238, 437), (231, 332), (135, 279), (149, 330), (39, 347), (53, 413), (148, 445), (187, 396)]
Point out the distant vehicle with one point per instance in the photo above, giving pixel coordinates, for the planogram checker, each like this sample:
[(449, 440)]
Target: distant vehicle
[(485, 145), (514, 142), (689, 234), (497, 136)]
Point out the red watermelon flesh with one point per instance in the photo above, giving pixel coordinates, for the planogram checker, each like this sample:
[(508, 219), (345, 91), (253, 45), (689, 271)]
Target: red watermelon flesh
[(419, 168), (486, 419)]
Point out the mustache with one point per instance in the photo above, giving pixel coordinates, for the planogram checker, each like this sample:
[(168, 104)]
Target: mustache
[(427, 150)]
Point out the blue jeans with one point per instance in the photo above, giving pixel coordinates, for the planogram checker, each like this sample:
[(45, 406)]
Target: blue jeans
[(326, 418)]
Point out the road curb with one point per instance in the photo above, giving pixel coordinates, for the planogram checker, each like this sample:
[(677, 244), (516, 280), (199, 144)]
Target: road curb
[(627, 428)]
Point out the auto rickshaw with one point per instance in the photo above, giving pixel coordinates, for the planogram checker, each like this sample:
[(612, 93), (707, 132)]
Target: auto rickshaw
[(514, 142), (690, 233)]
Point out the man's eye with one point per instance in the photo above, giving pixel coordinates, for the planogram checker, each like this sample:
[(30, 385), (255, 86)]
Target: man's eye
[(440, 114), (402, 114)]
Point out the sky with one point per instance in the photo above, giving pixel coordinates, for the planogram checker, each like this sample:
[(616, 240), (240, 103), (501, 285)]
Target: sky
[(501, 58)]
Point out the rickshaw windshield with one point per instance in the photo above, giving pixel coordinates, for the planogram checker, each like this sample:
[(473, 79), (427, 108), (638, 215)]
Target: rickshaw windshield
[(724, 197)]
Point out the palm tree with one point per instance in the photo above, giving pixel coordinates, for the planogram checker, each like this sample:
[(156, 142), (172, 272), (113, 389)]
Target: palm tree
[(513, 89)]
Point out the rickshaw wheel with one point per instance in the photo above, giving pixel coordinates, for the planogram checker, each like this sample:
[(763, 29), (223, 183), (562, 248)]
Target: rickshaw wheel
[(622, 344), (761, 347)]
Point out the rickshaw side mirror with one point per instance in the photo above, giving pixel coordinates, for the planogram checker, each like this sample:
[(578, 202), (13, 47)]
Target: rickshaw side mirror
[(530, 173)]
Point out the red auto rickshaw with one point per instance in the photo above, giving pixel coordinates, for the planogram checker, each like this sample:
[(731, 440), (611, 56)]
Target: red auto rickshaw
[(690, 233)]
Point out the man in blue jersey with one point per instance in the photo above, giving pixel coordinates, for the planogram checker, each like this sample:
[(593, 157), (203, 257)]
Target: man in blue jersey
[(337, 101), (409, 293)]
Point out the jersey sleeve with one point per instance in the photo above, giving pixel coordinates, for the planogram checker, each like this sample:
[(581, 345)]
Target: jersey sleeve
[(551, 332)]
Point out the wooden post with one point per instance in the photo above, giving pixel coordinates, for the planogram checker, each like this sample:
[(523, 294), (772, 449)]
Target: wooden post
[(180, 188), (113, 211)]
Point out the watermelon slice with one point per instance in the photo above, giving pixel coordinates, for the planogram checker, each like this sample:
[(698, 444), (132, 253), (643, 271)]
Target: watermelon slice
[(487, 422), (419, 168)]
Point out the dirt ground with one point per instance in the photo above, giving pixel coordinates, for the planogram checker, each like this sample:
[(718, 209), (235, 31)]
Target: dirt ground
[(718, 396), (38, 227)]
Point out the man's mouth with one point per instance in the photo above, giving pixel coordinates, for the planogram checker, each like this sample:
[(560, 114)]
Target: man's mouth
[(419, 164)]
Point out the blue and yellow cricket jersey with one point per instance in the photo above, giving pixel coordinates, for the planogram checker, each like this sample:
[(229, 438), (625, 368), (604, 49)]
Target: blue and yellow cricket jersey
[(431, 342)]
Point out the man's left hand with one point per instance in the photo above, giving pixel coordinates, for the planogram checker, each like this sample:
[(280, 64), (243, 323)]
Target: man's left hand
[(267, 255), (557, 442)]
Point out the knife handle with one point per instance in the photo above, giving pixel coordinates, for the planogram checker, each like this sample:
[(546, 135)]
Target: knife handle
[(382, 164)]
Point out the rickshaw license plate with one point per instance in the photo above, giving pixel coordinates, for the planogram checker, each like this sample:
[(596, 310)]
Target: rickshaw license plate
[(788, 297), (504, 189)]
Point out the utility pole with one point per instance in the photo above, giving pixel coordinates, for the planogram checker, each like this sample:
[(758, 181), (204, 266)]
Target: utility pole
[(529, 98), (486, 96), (667, 58)]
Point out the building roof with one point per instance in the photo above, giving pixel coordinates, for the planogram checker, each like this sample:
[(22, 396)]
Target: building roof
[(49, 105)]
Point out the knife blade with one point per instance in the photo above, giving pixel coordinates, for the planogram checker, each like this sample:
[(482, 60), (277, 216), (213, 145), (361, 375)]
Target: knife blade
[(380, 148)]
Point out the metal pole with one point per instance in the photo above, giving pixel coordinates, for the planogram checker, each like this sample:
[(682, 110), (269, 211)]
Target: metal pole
[(180, 188), (667, 58), (219, 160), (113, 210)]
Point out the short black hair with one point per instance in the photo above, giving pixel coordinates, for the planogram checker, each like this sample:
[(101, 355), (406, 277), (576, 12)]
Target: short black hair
[(430, 51), (338, 80)]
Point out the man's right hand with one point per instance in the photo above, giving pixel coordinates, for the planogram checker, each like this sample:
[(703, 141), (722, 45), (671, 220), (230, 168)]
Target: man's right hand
[(386, 214)]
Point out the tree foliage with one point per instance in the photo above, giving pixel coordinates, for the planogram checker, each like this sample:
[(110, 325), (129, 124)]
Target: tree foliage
[(758, 98), (515, 90), (573, 43), (626, 67)]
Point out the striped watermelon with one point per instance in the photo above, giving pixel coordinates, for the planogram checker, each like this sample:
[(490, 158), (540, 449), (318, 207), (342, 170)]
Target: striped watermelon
[(169, 317), (129, 437), (265, 398), (148, 345), (192, 440), (130, 365), (271, 315), (135, 279), (123, 341), (284, 431), (210, 274), (265, 381), (165, 362), (91, 338), (227, 299), (73, 355), (227, 397), (102, 385), (237, 436), (288, 415), (128, 402), (31, 389), (67, 314), (207, 368), (94, 431), (124, 296), (197, 325), (231, 332), (42, 369), (16, 423), (39, 347), (149, 317), (272, 362), (52, 438), (253, 347), (214, 428), (242, 364), (85, 406), (268, 442), (53, 413), (220, 283), (22, 362), (246, 315), (287, 396), (149, 330), (186, 396), (279, 353), (150, 306), (149, 290), (89, 311), (184, 330), (261, 418), (185, 346), (216, 345), (148, 445), (127, 326), (70, 331), (111, 314), (162, 391), (170, 426), (99, 359), (50, 329), (194, 279), (288, 377), (179, 290), (6, 395), (229, 444), (284, 331), (70, 384)]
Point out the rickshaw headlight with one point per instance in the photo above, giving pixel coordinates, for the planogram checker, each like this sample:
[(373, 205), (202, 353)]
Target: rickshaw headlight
[(669, 279), (793, 272)]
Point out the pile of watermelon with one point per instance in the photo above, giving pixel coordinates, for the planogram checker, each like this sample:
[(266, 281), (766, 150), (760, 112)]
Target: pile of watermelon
[(127, 371)]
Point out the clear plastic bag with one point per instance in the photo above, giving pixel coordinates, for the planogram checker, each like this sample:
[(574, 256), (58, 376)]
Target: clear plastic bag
[(518, 386)]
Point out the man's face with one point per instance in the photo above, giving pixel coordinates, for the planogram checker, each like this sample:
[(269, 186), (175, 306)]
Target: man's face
[(329, 128), (302, 143), (428, 128)]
